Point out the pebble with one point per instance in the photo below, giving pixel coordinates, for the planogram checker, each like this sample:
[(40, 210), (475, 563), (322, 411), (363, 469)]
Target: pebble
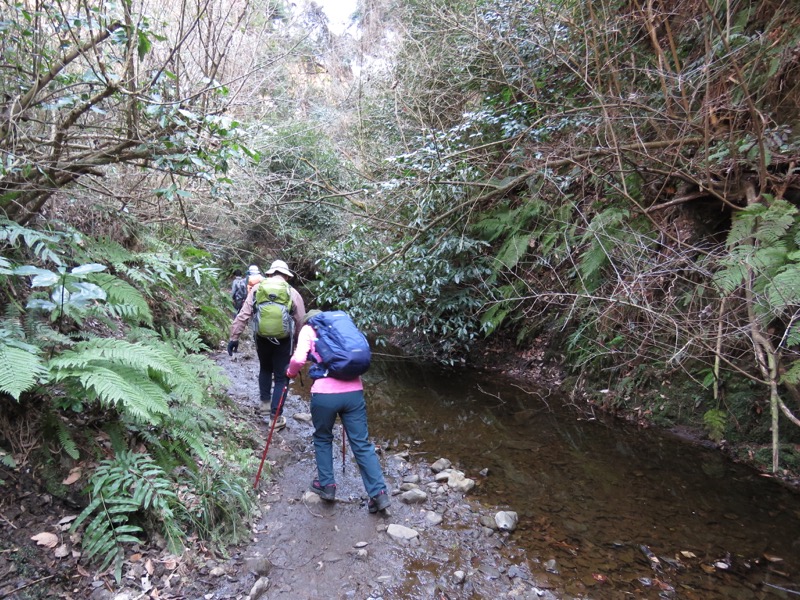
[(432, 517), (506, 520), (311, 498), (259, 588)]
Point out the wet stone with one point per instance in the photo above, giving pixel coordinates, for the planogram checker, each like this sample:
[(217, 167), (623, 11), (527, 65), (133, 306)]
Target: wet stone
[(401, 533), (433, 518), (506, 520), (413, 496), (441, 465), (404, 487), (490, 571), (514, 571)]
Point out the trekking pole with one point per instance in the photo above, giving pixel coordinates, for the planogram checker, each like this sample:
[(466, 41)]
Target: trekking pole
[(344, 437), (271, 429)]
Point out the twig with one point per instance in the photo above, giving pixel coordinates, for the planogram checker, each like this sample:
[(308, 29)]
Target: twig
[(2, 516), (30, 583), (312, 512), (492, 395), (783, 589)]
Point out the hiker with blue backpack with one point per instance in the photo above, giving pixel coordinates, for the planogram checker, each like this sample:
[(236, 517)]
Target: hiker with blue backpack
[(340, 354), (276, 311)]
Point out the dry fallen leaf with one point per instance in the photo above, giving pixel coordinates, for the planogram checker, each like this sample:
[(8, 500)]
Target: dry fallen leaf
[(67, 519), (61, 551), (772, 557), (148, 566), (708, 568), (50, 540), (74, 475), (135, 557), (687, 554), (171, 564)]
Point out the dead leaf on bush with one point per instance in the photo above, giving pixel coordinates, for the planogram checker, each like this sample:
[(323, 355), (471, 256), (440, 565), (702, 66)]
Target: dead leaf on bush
[(49, 540)]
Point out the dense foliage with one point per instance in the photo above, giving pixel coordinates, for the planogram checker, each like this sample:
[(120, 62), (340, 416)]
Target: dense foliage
[(88, 368), (620, 177), (616, 179)]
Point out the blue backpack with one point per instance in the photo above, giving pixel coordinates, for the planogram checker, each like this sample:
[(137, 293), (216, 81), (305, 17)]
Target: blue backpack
[(343, 349)]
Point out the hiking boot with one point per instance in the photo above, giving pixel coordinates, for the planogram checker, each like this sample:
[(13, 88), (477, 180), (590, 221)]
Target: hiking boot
[(379, 502), (279, 424), (326, 493), (264, 408)]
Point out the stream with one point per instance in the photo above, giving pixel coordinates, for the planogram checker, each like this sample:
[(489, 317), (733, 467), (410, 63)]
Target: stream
[(606, 510)]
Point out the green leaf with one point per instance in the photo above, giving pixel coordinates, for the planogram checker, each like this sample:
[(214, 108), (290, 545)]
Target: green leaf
[(144, 44), (19, 370)]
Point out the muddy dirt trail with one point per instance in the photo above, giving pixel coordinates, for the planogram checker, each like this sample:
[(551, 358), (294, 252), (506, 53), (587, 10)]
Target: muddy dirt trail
[(299, 547), (304, 548)]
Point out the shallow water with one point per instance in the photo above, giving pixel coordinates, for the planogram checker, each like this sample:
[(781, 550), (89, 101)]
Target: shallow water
[(625, 513)]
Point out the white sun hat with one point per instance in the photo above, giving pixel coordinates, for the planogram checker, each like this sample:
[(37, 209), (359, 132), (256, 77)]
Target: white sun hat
[(281, 267)]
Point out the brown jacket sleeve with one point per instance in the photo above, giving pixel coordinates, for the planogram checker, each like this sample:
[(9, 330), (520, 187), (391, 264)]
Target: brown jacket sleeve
[(299, 311)]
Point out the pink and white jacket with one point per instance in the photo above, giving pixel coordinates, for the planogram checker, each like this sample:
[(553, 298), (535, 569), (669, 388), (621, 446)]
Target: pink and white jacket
[(324, 385)]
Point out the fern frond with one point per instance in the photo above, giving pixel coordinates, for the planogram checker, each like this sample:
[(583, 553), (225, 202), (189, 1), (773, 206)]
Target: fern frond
[(122, 487), (186, 341), (137, 356), (715, 421), (776, 221), (42, 245), (20, 369), (127, 389), (744, 224), (122, 299), (784, 289), (514, 248)]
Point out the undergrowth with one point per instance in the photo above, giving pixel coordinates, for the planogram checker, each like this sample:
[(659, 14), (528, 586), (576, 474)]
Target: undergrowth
[(103, 365)]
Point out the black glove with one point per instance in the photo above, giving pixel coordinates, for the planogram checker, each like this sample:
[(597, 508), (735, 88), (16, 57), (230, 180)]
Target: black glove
[(233, 346)]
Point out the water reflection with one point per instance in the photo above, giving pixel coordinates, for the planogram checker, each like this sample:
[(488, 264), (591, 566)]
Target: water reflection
[(596, 496)]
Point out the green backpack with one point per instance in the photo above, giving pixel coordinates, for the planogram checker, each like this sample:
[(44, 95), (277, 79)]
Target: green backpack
[(273, 309)]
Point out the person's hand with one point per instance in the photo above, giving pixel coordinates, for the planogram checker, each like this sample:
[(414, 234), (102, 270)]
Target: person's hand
[(233, 346)]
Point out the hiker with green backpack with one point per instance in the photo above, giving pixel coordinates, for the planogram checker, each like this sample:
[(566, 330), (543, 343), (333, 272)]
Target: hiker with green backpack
[(275, 310)]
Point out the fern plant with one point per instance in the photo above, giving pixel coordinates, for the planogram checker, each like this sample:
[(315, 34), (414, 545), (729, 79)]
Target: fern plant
[(137, 379), (219, 503), (125, 491), (715, 421), (21, 366), (46, 247)]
